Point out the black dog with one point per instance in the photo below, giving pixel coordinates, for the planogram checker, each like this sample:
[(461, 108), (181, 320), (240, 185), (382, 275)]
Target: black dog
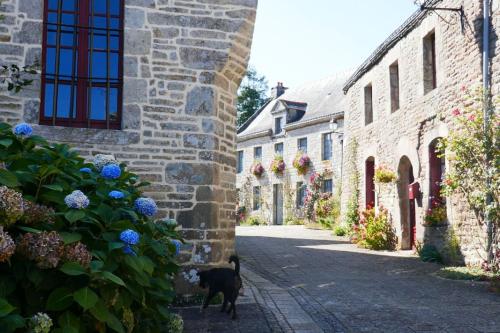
[(225, 280)]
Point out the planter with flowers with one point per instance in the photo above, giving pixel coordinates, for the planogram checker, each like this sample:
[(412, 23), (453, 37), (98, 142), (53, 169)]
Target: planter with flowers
[(278, 165), (436, 214), (302, 162), (257, 169), (384, 175), (80, 250)]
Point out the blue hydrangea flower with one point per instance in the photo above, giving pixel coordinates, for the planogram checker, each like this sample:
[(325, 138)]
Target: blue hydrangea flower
[(177, 244), (77, 200), (23, 129), (146, 206), (86, 170), (129, 237), (116, 195), (111, 171), (127, 249)]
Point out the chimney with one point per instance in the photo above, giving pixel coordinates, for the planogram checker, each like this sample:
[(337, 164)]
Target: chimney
[(278, 90)]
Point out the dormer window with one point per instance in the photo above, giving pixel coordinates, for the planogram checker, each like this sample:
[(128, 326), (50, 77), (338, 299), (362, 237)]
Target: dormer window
[(278, 125)]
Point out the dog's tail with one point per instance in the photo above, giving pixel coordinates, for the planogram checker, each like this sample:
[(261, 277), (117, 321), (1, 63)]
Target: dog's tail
[(234, 258)]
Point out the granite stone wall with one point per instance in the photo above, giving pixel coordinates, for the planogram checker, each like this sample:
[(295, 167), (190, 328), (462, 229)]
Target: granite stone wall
[(409, 131), (183, 63)]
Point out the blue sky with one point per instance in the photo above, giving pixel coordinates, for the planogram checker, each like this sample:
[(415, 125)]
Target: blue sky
[(296, 41)]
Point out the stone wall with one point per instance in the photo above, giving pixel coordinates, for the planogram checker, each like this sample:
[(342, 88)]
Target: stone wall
[(184, 60), (422, 117), (246, 180)]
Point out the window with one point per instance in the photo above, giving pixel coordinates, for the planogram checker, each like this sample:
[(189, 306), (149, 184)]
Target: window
[(82, 63), (240, 162), (302, 145), (394, 78), (430, 81), (256, 198), (301, 194), (257, 153), (327, 146), (278, 149), (327, 186), (277, 126), (368, 104)]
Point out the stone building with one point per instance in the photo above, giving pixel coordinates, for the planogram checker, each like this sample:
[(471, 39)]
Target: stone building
[(152, 82), (308, 119), (400, 102)]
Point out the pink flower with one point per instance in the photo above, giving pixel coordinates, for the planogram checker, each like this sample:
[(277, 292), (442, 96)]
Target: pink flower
[(464, 88), (471, 117), (456, 112)]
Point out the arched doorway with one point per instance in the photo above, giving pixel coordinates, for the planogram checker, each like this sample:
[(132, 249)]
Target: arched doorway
[(369, 182), (406, 205)]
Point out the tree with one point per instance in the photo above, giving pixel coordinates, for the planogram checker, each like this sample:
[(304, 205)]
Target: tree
[(251, 96)]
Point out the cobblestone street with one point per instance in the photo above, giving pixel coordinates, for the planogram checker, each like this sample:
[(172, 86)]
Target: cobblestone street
[(304, 280)]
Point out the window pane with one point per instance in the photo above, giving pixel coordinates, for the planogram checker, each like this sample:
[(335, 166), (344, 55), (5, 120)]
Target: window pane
[(50, 61), (65, 62), (52, 18), (98, 104), (114, 23), (113, 104), (67, 39), (69, 5), (114, 6), (63, 101), (49, 95), (99, 6), (68, 19), (99, 70), (53, 4), (98, 22)]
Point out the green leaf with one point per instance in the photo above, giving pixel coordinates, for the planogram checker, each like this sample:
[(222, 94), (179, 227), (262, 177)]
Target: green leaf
[(115, 245), (70, 238), (86, 298), (8, 178), (54, 187), (74, 215), (13, 322), (69, 322), (6, 142), (113, 278), (115, 324), (73, 269), (5, 307), (59, 299), (28, 229), (96, 266), (100, 312)]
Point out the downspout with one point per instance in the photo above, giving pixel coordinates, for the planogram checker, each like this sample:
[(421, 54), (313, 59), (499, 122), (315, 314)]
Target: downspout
[(486, 121)]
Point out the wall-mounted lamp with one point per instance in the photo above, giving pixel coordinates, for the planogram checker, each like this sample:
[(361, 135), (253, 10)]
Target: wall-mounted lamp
[(334, 125), (460, 11)]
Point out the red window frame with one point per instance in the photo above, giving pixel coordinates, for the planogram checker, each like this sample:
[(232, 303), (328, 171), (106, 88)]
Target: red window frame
[(79, 77)]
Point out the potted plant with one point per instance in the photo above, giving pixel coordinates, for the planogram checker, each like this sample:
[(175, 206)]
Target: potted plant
[(278, 165), (384, 175), (302, 162), (257, 169)]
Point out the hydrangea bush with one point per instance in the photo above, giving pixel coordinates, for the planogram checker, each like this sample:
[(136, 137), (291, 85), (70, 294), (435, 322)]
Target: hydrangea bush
[(79, 249)]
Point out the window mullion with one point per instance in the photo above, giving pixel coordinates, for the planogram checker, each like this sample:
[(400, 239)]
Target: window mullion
[(74, 49), (108, 19), (90, 22)]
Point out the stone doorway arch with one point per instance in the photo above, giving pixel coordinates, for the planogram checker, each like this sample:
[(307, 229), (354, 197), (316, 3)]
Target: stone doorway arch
[(406, 206)]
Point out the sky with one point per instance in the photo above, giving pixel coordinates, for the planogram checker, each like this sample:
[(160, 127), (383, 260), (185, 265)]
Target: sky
[(297, 41)]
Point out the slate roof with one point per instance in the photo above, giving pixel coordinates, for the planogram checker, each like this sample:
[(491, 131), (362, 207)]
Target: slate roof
[(389, 43), (320, 98)]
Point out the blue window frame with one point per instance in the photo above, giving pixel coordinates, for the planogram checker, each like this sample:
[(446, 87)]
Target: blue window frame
[(302, 145), (327, 146)]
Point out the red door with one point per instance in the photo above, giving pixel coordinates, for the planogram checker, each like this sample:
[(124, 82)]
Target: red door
[(413, 224), (369, 183)]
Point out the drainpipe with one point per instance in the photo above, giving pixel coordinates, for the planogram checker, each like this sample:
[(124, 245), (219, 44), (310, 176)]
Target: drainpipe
[(486, 116)]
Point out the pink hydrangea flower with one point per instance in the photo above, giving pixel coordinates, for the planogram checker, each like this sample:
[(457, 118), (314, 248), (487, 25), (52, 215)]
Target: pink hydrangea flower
[(455, 112)]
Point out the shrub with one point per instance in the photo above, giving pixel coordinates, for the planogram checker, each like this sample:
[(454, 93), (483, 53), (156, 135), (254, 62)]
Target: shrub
[(292, 220), (340, 231), (302, 162), (436, 214), (85, 260), (254, 221), (429, 253), (327, 210), (384, 175), (375, 231), (465, 273)]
